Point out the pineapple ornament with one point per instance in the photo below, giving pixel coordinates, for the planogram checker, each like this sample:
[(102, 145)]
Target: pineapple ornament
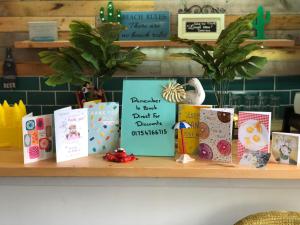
[(111, 17)]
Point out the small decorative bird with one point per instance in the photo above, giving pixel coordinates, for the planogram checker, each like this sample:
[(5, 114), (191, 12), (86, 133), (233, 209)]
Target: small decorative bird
[(197, 96)]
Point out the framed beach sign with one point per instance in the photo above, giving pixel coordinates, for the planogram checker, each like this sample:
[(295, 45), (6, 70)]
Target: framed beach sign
[(200, 26)]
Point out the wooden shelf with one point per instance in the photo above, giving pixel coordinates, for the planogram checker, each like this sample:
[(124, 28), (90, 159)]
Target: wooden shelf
[(275, 43), (11, 165)]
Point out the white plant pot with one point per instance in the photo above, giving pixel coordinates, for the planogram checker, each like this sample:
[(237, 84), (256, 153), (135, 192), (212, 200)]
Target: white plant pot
[(297, 103)]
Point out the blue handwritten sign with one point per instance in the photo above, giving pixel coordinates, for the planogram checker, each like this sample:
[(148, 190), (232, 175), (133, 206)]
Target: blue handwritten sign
[(154, 25), (147, 119)]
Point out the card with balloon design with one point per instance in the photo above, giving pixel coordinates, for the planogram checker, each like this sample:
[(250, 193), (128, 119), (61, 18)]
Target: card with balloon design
[(103, 126), (37, 137), (215, 135)]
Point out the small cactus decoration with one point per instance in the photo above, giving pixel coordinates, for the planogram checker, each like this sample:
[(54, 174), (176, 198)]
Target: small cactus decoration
[(260, 22), (111, 16)]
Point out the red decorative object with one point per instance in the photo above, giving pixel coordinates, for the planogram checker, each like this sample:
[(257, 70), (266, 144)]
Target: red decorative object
[(119, 156), (90, 93)]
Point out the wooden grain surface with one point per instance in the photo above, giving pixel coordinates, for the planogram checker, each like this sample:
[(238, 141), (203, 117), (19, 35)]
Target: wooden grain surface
[(19, 23), (11, 165), (14, 15), (129, 44)]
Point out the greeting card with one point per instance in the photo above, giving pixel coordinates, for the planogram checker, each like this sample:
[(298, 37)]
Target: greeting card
[(103, 126), (191, 115), (71, 133), (253, 133), (37, 137), (215, 134), (286, 147), (147, 119)]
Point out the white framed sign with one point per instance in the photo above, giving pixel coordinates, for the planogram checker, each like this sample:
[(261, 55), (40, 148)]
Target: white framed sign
[(200, 26)]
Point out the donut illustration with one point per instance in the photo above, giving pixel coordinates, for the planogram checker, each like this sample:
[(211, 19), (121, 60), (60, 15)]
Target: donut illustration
[(205, 152), (224, 147), (204, 130), (224, 117)]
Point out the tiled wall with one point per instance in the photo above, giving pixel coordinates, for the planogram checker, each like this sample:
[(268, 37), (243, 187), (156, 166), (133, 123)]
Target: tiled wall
[(42, 99)]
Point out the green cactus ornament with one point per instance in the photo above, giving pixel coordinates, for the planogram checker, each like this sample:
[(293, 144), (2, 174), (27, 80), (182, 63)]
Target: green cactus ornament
[(111, 16), (260, 22)]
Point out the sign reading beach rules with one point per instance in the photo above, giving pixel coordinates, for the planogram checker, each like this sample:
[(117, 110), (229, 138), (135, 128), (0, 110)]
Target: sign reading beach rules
[(147, 119)]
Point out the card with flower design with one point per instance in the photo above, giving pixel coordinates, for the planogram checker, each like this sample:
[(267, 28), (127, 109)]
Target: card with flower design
[(190, 114), (103, 126), (285, 148), (37, 137), (215, 134), (253, 133)]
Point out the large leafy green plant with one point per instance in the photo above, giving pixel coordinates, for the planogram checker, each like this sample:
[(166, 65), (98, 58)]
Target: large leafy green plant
[(229, 57), (92, 54)]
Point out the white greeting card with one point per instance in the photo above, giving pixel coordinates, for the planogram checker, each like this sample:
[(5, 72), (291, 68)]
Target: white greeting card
[(253, 133), (37, 137), (71, 133), (286, 148), (215, 134)]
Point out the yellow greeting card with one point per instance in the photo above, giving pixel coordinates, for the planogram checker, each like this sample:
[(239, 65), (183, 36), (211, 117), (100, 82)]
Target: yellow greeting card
[(191, 115)]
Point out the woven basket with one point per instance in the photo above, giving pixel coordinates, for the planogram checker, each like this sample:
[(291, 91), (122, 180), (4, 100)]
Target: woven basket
[(271, 218)]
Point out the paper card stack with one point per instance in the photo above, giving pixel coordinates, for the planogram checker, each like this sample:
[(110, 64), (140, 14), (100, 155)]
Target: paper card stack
[(103, 126), (190, 114), (37, 138), (253, 133), (71, 133), (215, 135), (286, 147)]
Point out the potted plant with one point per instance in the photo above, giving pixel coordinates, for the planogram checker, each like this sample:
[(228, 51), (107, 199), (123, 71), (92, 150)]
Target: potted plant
[(92, 54), (229, 57)]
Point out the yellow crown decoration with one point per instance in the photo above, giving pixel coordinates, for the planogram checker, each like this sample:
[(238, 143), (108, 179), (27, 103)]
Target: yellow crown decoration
[(11, 125)]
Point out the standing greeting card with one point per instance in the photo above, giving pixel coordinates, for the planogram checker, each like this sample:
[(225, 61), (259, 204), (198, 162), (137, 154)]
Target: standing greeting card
[(253, 133), (286, 148), (37, 137), (71, 133), (191, 115), (103, 126), (215, 134), (147, 119)]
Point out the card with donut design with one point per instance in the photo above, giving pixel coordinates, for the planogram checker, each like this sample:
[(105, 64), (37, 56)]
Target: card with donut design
[(190, 114), (215, 135), (37, 137), (103, 126), (253, 134)]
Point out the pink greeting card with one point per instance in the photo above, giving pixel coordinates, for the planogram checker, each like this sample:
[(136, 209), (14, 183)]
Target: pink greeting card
[(253, 133), (215, 133)]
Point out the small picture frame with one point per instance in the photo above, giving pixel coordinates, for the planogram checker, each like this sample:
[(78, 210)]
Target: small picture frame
[(200, 26), (43, 31)]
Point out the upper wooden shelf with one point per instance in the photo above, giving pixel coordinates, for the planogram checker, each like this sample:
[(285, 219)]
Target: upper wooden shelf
[(275, 43), (11, 165)]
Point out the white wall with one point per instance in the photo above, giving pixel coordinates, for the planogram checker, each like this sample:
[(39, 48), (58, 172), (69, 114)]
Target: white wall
[(108, 201)]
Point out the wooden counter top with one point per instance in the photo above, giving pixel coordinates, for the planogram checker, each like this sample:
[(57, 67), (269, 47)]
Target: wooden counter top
[(11, 164)]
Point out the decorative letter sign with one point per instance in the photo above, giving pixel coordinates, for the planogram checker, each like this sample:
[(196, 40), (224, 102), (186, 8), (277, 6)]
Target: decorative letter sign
[(146, 25), (147, 119)]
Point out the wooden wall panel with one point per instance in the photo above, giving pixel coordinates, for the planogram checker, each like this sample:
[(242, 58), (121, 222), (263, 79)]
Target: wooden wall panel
[(14, 15), (19, 24), (66, 8), (236, 7)]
